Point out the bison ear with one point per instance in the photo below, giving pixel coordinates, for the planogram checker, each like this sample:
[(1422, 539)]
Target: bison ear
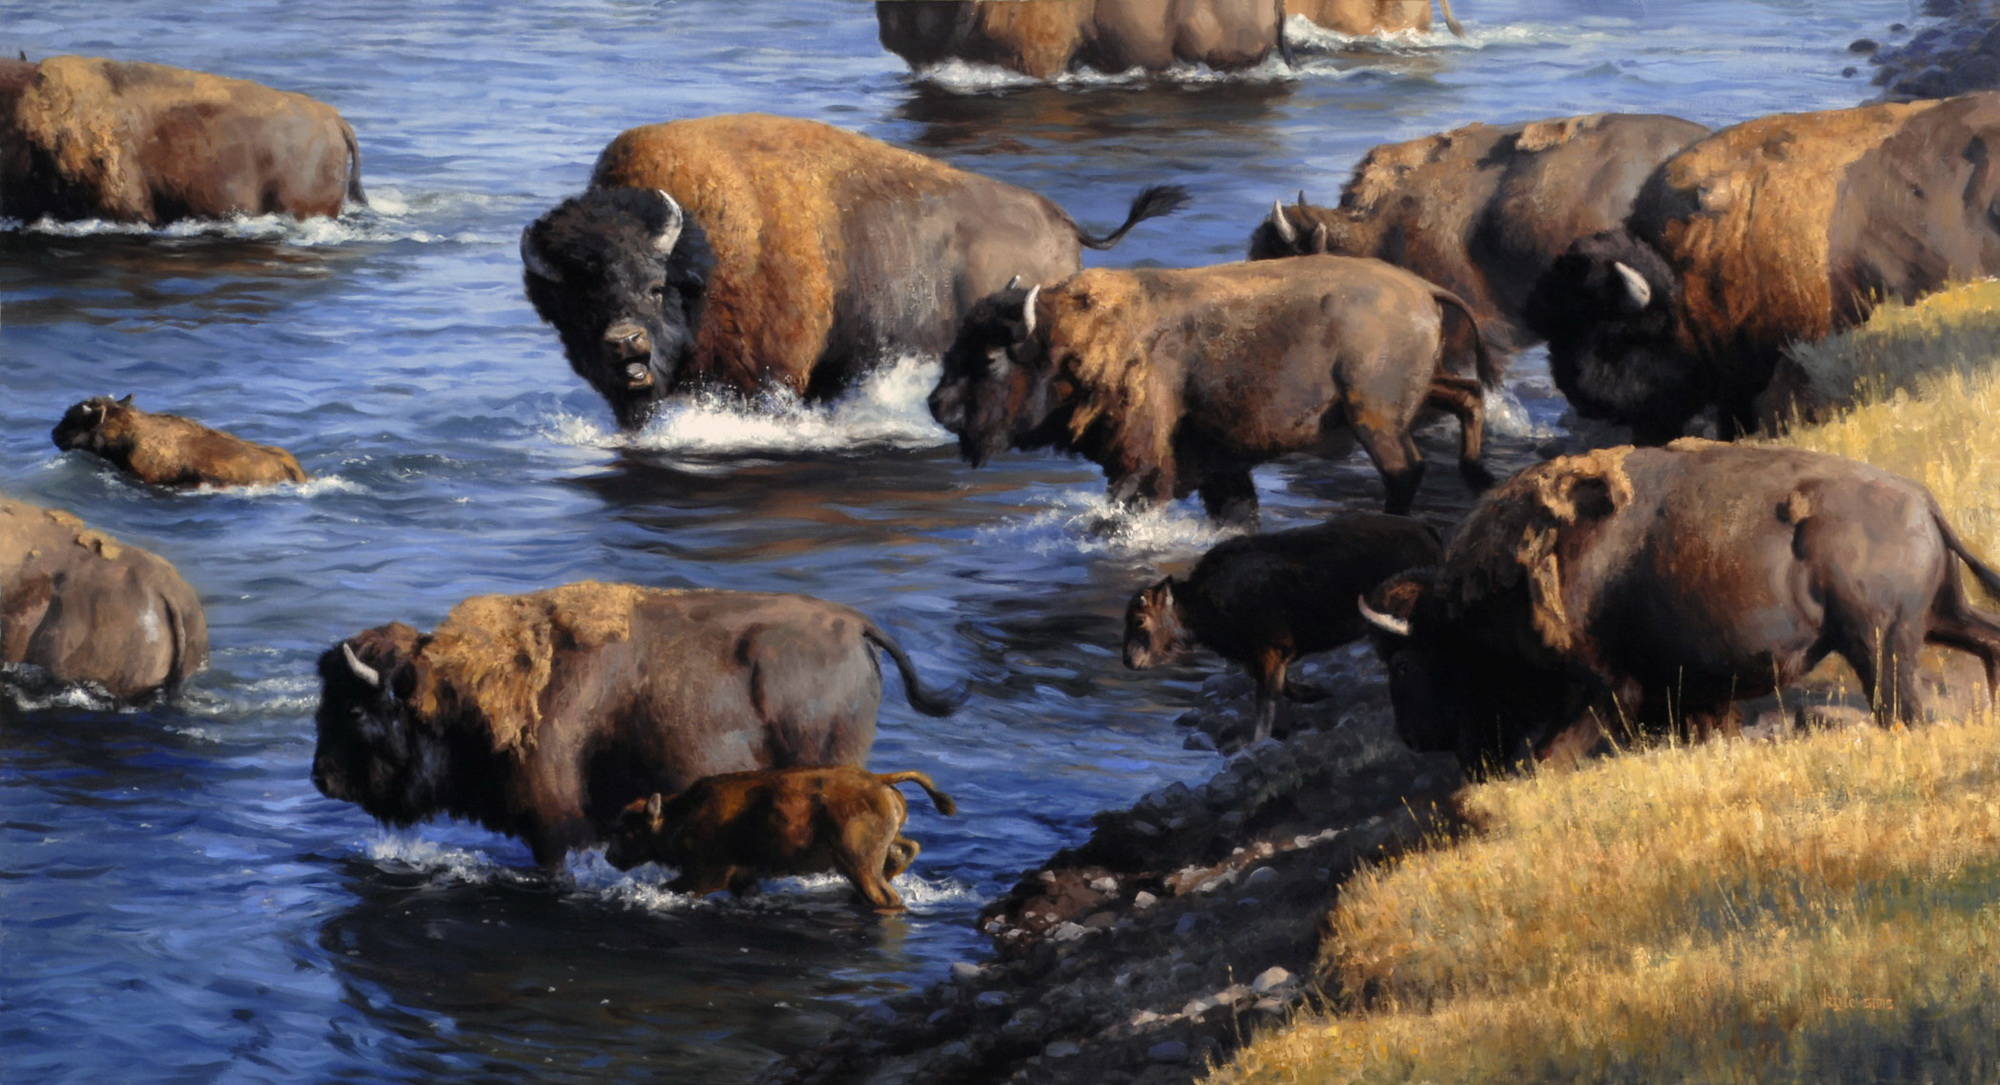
[(1287, 233), (1320, 241), (1302, 197), (1028, 310), (670, 231), (1634, 292), (127, 401), (531, 258), (1013, 283)]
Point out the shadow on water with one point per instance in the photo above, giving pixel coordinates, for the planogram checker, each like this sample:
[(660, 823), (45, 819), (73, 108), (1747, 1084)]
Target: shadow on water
[(53, 279), (1003, 120)]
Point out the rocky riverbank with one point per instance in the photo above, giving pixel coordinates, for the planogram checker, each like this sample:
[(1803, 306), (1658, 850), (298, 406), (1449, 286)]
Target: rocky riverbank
[(1153, 950), (1958, 55)]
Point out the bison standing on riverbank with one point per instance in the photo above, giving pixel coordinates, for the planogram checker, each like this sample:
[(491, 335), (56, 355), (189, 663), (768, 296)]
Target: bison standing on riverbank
[(1484, 210), (82, 137), (1180, 381), (84, 608), (168, 450), (541, 715), (1043, 39), (1779, 229), (752, 252), (1660, 585)]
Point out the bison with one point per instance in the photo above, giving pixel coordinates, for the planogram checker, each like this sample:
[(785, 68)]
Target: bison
[(1359, 17), (1043, 39), (1659, 585), (82, 137), (1262, 601), (1779, 229), (1181, 381), (168, 450), (1484, 210), (540, 715), (727, 831), (751, 252), (85, 609)]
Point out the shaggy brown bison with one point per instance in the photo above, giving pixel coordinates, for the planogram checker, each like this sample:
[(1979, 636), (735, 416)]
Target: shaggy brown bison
[(727, 831), (754, 252), (82, 137), (1484, 210), (1358, 17), (540, 715), (1659, 585), (168, 450), (1262, 601), (1181, 381), (1779, 229), (84, 608), (1045, 38)]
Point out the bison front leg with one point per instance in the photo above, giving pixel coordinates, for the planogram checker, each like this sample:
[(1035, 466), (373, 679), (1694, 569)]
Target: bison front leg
[(1230, 498), (1269, 671), (1142, 489)]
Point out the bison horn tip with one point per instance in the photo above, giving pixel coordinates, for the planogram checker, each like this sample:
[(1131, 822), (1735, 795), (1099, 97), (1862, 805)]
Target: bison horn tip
[(1282, 224), (1387, 623), (1028, 308), (1638, 292)]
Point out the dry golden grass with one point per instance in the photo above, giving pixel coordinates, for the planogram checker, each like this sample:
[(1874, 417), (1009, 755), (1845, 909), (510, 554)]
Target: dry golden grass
[(1818, 909)]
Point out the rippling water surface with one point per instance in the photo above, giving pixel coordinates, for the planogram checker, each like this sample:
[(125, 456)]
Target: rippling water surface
[(176, 901)]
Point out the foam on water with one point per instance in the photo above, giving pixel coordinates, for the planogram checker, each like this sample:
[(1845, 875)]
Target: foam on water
[(886, 411), (386, 218), (1091, 523), (1303, 33)]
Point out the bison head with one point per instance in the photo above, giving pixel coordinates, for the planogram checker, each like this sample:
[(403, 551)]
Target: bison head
[(999, 388), (1607, 306), (373, 749), (621, 274), (1153, 631), (1300, 230), (98, 424), (635, 839)]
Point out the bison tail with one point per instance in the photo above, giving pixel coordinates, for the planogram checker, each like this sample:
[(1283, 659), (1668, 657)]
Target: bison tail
[(928, 702), (354, 193), (1284, 43), (1987, 578), (939, 799), (1151, 202), (1487, 363), (1451, 21)]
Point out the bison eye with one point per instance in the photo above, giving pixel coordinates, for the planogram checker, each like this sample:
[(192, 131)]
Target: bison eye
[(658, 289)]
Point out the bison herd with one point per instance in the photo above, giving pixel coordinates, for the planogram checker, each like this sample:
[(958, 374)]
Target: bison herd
[(724, 732)]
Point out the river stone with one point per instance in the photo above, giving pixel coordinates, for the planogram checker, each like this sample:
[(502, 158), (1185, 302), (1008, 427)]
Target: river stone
[(1168, 1051), (1270, 980)]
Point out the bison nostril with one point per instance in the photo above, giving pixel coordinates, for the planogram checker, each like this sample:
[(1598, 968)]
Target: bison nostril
[(628, 340)]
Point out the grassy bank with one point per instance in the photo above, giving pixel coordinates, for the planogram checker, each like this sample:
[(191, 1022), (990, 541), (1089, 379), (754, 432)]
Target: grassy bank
[(1817, 909)]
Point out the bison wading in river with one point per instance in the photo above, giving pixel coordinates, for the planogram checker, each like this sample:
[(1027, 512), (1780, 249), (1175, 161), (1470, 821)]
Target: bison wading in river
[(168, 450), (1657, 586), (541, 715), (752, 252), (1043, 39), (82, 137), (1180, 381), (87, 609), (1779, 229), (1484, 210)]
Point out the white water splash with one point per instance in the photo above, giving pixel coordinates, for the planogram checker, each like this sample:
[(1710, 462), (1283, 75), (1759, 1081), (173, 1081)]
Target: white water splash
[(887, 410), (1091, 523), (315, 486), (645, 890), (1506, 417), (387, 217), (443, 864), (1305, 34)]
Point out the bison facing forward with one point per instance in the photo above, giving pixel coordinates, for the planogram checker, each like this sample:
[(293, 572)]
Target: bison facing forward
[(1045, 38), (1484, 210), (1779, 229), (541, 715), (82, 138), (1659, 585), (753, 252), (1181, 381)]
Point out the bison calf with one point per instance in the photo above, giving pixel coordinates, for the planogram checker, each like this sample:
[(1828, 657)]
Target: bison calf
[(1262, 601), (725, 832), (168, 450)]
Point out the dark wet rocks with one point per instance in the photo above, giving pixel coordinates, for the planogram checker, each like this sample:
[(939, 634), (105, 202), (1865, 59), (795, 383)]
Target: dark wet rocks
[(1183, 925), (1958, 55)]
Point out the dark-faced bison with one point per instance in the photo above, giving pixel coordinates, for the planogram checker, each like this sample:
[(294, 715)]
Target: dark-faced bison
[(541, 715), (1263, 601), (1484, 210), (168, 450), (1181, 381), (1657, 586), (1045, 38), (1779, 229), (745, 253), (84, 608), (728, 831), (82, 137)]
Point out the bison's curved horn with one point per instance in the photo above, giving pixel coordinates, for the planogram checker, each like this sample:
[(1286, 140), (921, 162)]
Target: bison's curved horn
[(1013, 283), (1638, 292), (1028, 308), (1322, 241), (531, 258), (1283, 225), (1387, 623), (670, 234), (361, 670)]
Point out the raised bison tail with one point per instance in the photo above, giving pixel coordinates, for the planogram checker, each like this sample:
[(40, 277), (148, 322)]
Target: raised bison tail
[(1490, 366), (1284, 43), (354, 193), (1988, 579), (938, 798), (1151, 202), (928, 702)]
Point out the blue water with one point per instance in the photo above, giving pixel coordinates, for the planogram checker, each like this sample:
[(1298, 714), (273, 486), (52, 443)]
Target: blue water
[(178, 903)]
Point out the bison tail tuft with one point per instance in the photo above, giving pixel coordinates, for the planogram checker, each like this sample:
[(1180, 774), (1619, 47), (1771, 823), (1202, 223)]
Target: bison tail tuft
[(939, 799), (927, 701), (1987, 577), (1151, 202)]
